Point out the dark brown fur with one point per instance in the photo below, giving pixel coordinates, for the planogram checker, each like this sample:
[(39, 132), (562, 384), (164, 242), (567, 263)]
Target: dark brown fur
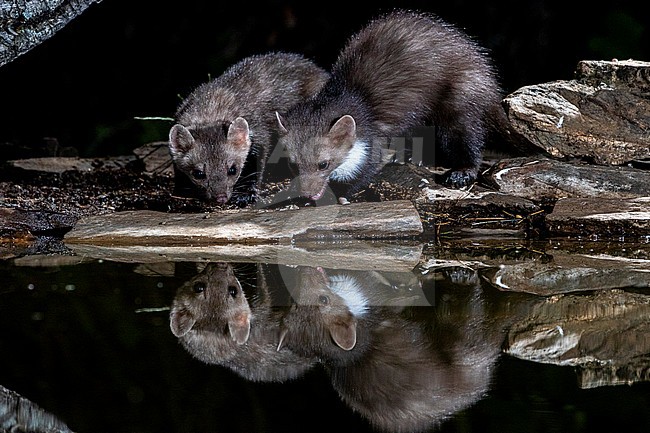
[(226, 124), (404, 368), (403, 70)]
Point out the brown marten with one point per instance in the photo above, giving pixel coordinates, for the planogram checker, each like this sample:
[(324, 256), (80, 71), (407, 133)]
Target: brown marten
[(403, 70), (225, 126)]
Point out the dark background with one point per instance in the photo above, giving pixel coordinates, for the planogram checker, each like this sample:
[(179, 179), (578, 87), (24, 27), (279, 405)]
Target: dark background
[(123, 59)]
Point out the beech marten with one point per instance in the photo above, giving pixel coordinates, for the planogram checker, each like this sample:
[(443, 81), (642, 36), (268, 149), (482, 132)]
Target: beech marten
[(226, 125), (404, 69)]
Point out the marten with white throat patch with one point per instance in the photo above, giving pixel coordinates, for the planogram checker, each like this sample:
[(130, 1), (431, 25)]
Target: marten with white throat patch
[(403, 70)]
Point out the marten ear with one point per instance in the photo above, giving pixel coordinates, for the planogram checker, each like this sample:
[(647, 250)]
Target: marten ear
[(180, 140), (281, 122), (344, 333), (239, 134), (181, 321), (239, 327), (344, 130)]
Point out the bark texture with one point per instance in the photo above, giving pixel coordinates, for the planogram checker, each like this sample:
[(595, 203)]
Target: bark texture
[(26, 23)]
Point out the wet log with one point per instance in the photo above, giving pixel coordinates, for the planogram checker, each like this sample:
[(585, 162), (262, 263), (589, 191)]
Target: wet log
[(601, 218), (384, 220), (603, 115), (544, 179), (25, 24)]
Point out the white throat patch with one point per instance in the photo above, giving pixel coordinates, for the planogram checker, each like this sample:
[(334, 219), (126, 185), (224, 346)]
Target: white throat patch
[(352, 164), (349, 289)]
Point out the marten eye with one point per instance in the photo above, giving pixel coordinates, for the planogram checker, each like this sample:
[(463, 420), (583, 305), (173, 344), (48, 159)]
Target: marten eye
[(198, 287), (198, 174), (323, 300), (232, 170), (232, 291), (323, 165)]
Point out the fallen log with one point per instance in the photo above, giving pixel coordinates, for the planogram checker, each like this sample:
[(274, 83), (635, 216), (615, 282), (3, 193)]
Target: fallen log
[(381, 220), (601, 218), (543, 179)]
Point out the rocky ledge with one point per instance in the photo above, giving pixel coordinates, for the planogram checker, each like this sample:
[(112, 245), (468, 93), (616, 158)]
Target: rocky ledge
[(585, 176)]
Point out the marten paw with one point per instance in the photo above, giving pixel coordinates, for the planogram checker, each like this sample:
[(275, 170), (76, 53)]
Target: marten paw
[(459, 178)]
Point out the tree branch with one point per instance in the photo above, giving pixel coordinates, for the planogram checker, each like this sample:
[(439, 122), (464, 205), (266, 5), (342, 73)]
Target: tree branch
[(26, 23)]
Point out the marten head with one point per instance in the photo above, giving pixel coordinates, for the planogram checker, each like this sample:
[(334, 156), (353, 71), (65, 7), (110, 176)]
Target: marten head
[(319, 152), (212, 157)]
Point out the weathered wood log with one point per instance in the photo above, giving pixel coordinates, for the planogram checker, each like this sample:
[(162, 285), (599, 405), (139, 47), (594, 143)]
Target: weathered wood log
[(383, 220), (19, 414), (57, 164), (602, 116), (25, 24), (601, 218), (543, 179)]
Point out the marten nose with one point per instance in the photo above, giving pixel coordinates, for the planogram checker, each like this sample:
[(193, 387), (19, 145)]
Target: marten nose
[(221, 199)]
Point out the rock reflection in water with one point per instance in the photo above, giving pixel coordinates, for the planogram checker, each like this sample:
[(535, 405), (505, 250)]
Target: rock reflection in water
[(402, 355)]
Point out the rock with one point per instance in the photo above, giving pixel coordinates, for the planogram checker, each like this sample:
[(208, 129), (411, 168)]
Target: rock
[(477, 213), (605, 331), (603, 115), (35, 222), (476, 210), (618, 73)]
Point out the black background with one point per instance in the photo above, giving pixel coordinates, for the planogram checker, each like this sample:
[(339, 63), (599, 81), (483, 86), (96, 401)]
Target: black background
[(122, 59)]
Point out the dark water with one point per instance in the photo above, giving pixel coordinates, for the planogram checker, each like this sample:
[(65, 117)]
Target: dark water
[(439, 348)]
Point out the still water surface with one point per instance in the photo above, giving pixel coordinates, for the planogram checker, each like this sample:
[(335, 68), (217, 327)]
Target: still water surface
[(108, 346)]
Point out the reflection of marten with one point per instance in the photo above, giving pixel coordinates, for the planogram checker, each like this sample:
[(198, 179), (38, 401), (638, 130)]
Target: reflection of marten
[(393, 365), (215, 322), (326, 317)]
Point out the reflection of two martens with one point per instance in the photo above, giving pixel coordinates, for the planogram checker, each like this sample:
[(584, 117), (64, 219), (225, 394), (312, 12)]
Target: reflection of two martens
[(394, 355)]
